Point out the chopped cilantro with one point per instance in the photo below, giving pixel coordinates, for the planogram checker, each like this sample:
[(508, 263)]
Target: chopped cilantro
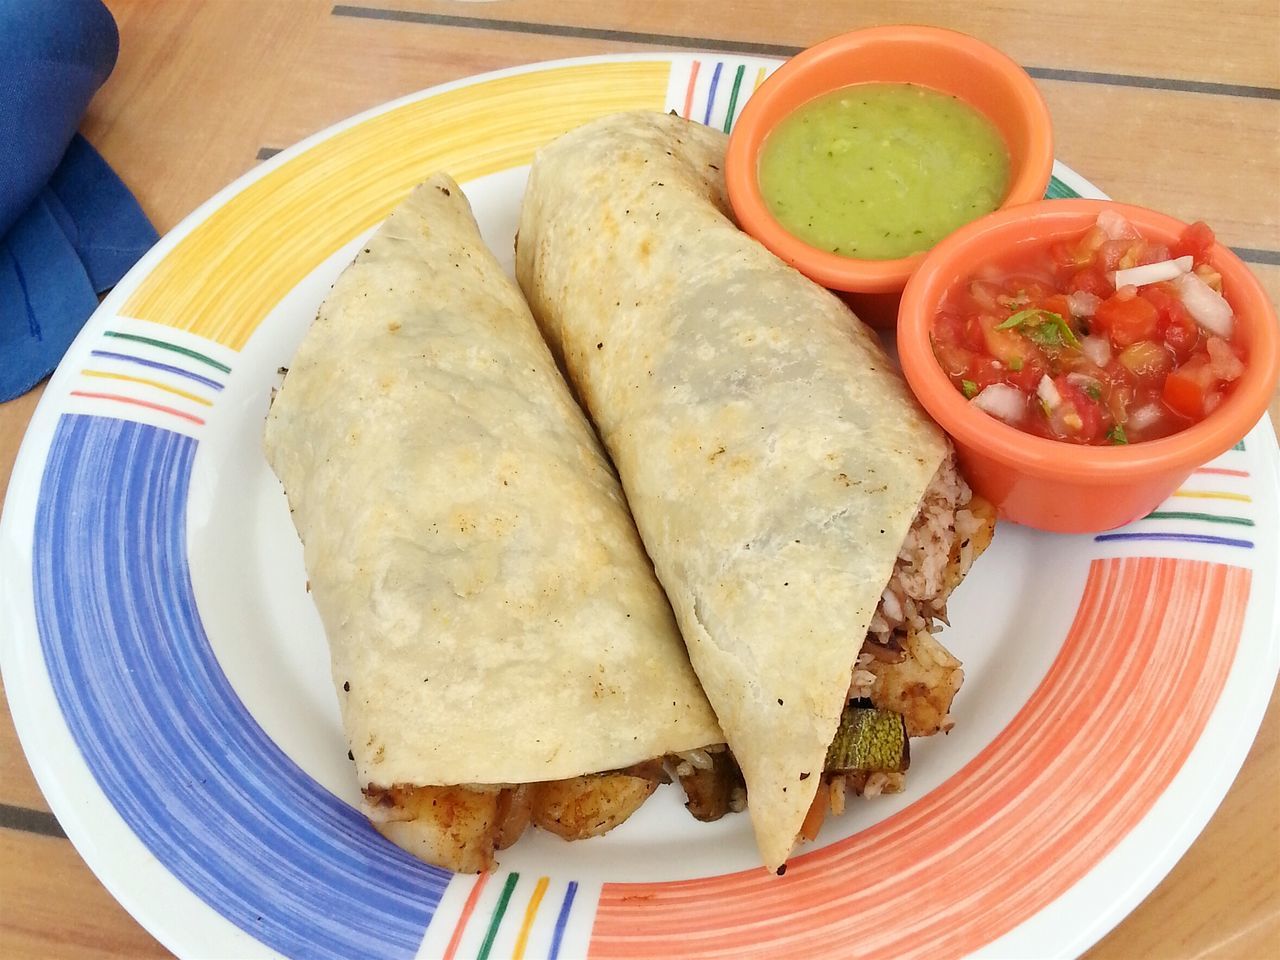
[(1093, 391), (1043, 326), (969, 389), (1116, 435), (1015, 364)]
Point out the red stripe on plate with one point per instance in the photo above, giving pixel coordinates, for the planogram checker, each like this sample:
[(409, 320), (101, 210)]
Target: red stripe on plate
[(688, 94), (1223, 471), (93, 395), (1083, 761), (467, 909)]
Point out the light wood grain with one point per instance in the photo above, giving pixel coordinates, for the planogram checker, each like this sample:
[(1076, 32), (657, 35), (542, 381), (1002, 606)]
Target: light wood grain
[(1196, 41), (52, 906), (202, 86)]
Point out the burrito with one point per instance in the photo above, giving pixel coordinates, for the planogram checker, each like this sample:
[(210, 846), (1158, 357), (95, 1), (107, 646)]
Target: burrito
[(501, 650), (803, 514)]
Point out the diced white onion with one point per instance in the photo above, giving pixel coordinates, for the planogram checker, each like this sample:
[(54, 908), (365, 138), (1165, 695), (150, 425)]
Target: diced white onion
[(1082, 380), (1047, 391), (1083, 303), (1206, 306), (1226, 365), (1097, 349), (1116, 227), (1152, 272), (1144, 417), (1002, 401)]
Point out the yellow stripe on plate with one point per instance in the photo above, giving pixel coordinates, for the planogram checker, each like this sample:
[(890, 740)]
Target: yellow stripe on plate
[(522, 942), (104, 375), (1214, 495), (222, 279)]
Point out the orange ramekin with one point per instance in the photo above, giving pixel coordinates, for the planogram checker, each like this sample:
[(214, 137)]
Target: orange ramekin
[(1066, 487), (943, 60)]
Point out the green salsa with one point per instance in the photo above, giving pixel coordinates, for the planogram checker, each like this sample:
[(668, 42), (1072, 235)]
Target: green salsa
[(879, 171)]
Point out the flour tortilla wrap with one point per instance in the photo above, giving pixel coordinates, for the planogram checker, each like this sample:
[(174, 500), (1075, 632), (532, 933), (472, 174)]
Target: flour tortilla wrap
[(772, 457), (491, 614)]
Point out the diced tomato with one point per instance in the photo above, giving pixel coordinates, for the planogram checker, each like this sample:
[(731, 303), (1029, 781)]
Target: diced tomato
[(1093, 280), (1127, 320), (1112, 252), (974, 337), (1183, 337), (1195, 242), (1187, 388), (1178, 330), (985, 371), (1029, 375), (1085, 407), (1058, 304), (948, 327), (1153, 253)]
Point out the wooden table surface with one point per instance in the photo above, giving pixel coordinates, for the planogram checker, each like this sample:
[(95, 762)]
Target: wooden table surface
[(1165, 103)]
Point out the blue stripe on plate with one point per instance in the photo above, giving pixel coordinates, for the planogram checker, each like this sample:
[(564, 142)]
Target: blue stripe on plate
[(562, 920), (157, 365), (166, 737)]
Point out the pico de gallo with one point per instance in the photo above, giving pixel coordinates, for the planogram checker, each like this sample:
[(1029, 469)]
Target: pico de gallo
[(1102, 338)]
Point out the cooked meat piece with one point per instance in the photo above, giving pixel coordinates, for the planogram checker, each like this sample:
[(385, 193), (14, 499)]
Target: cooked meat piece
[(920, 687), (588, 806), (455, 827), (950, 531), (515, 810), (973, 536), (710, 791)]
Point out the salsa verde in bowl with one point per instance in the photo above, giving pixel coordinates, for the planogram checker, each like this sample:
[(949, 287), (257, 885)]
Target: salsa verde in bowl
[(1114, 373), (945, 110)]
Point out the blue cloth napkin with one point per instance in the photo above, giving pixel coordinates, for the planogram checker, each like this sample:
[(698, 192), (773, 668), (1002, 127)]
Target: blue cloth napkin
[(69, 229)]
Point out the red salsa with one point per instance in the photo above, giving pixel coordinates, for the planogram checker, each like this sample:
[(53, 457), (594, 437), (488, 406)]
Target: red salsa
[(1102, 338)]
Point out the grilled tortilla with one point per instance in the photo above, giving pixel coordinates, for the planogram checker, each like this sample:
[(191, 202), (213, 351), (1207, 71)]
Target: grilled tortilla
[(772, 455), (492, 617)]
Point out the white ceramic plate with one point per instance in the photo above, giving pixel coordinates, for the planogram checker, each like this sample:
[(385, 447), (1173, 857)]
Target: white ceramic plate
[(169, 679)]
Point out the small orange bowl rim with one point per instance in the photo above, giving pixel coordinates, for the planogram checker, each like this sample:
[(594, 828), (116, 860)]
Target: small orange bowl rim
[(994, 237), (773, 101)]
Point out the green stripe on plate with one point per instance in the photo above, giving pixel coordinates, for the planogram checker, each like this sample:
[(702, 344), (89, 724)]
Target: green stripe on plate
[(496, 921), (733, 97), (164, 345), (1058, 190), (1207, 517)]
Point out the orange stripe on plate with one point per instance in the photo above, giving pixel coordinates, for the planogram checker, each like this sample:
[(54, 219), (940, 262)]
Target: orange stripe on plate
[(1017, 826), (522, 941), (138, 403), (688, 94), (468, 908), (1221, 471)]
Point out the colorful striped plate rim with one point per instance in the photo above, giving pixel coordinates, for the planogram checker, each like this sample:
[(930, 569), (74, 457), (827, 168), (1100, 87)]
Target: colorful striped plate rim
[(137, 645)]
